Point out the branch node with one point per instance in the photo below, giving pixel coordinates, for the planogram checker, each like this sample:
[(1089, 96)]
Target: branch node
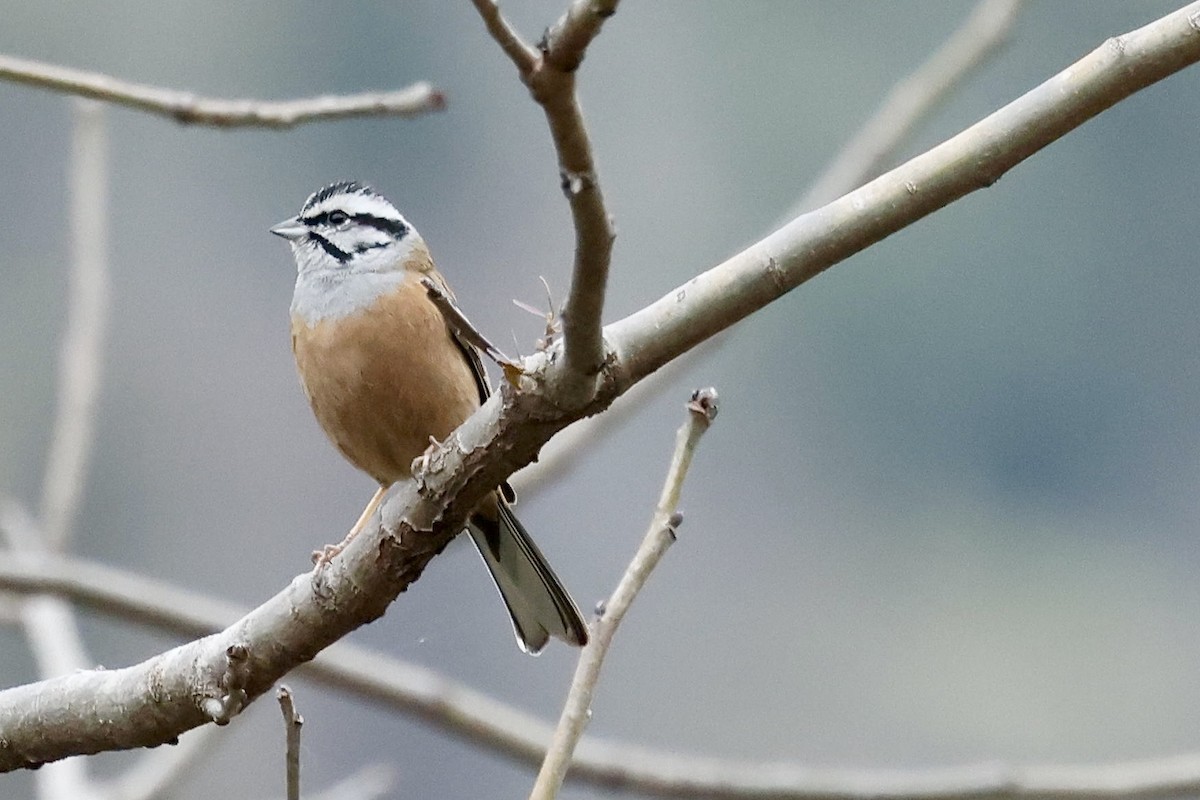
[(576, 183), (237, 674)]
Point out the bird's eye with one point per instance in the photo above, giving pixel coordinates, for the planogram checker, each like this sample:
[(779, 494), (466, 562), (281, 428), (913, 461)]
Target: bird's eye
[(338, 217)]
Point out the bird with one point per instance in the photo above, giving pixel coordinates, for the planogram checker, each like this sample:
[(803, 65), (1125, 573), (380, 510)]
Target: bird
[(386, 374)]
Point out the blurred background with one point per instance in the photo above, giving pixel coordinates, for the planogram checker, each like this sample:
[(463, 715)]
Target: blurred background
[(948, 513)]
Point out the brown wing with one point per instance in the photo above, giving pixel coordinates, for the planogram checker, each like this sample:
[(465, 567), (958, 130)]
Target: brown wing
[(461, 330)]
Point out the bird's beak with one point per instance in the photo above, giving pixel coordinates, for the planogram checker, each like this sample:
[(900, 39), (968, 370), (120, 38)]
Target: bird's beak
[(290, 229)]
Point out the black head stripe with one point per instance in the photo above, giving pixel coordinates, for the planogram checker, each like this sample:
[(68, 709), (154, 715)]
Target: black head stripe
[(341, 187)]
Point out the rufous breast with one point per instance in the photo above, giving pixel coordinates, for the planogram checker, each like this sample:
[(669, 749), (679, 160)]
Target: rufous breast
[(384, 379)]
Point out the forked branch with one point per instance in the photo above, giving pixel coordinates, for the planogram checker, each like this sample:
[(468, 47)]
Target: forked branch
[(549, 72)]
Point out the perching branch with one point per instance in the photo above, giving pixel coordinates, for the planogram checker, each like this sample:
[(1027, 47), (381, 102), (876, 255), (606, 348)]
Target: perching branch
[(549, 72), (701, 411), (92, 711), (487, 722), (191, 109)]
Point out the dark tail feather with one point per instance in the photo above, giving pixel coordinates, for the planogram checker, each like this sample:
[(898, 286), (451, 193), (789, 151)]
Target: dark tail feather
[(537, 602)]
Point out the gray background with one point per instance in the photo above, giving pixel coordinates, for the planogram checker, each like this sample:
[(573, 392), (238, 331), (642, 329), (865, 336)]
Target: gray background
[(949, 511)]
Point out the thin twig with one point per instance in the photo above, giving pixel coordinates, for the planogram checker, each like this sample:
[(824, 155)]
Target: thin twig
[(521, 54), (81, 358), (292, 723), (549, 72), (192, 109), (911, 99), (577, 711)]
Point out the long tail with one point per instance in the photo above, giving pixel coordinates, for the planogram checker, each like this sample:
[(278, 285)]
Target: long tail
[(537, 602)]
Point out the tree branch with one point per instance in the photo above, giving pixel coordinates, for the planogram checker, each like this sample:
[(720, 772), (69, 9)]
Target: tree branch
[(982, 34), (911, 99), (92, 711), (487, 722), (82, 357), (972, 160), (549, 72), (192, 109), (577, 711), (292, 724)]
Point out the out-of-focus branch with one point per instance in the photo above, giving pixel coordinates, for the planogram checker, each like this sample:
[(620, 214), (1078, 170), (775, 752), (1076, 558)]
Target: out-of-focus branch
[(157, 775), (549, 72), (192, 109), (82, 355), (372, 782), (909, 101), (577, 711), (49, 623)]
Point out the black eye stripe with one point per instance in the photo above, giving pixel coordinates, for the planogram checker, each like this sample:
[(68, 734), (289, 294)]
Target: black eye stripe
[(390, 226)]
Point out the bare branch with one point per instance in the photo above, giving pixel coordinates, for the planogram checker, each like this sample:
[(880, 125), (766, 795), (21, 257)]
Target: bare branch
[(910, 100), (92, 711), (566, 42), (562, 454), (191, 109), (292, 723), (550, 75), (49, 623), (577, 711), (972, 160), (81, 357), (382, 680), (524, 56), (387, 681)]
